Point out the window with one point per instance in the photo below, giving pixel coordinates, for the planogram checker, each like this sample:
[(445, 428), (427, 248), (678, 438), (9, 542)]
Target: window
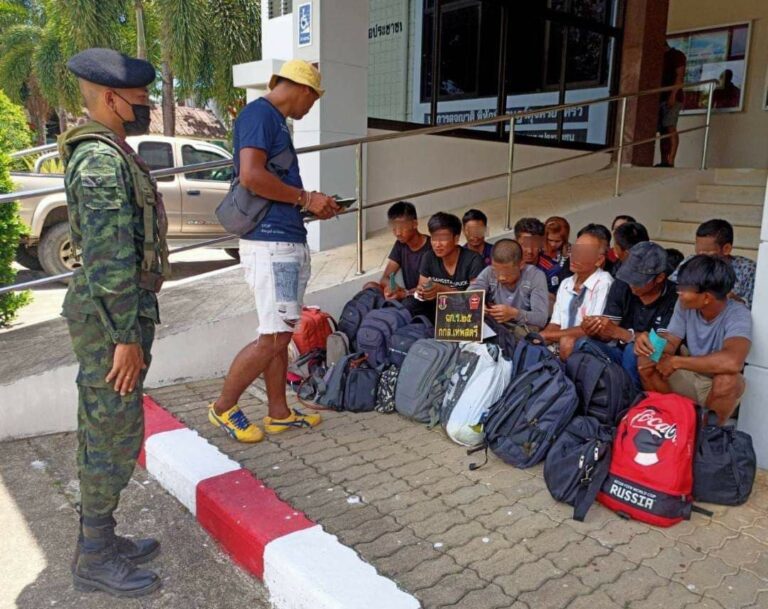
[(278, 8), (716, 53), (469, 50), (192, 156), (498, 56), (158, 155)]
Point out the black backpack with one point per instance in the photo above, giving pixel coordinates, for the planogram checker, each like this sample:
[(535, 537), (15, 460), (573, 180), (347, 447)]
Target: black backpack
[(578, 463), (535, 407), (355, 310), (724, 465), (349, 385), (504, 338), (605, 389), (403, 339)]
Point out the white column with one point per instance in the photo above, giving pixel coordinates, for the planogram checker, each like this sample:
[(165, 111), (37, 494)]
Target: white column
[(339, 44), (753, 417)]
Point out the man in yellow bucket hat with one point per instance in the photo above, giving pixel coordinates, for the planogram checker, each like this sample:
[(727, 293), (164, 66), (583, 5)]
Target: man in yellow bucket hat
[(274, 255)]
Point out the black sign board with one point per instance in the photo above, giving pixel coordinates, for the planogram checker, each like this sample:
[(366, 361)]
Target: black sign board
[(459, 316)]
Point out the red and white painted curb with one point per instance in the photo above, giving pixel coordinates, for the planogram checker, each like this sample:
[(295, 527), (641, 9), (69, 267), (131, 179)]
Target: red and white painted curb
[(302, 566)]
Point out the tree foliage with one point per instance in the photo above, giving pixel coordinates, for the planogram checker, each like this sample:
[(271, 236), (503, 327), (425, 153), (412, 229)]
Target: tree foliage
[(198, 40), (14, 133)]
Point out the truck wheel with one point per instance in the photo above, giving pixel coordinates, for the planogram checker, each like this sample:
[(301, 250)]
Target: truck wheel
[(27, 257), (56, 252), (234, 252)]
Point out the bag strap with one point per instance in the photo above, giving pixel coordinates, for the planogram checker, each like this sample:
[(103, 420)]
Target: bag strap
[(593, 480), (589, 390)]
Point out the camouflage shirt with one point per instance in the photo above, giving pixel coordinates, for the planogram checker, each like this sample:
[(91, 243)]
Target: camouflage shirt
[(107, 227)]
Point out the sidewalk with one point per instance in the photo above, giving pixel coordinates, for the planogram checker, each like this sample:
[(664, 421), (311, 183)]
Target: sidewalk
[(39, 526), (403, 498)]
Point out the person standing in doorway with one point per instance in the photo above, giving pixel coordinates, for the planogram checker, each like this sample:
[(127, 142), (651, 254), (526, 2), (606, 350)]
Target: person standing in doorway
[(672, 75), (274, 255)]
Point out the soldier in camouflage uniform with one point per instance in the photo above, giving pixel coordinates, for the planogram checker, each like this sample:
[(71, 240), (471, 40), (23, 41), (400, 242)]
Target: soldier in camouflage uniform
[(118, 224)]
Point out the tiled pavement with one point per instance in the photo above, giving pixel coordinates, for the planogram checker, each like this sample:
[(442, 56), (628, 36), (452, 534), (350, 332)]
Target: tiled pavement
[(402, 496)]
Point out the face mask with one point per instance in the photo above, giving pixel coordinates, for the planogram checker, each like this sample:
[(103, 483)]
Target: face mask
[(141, 119)]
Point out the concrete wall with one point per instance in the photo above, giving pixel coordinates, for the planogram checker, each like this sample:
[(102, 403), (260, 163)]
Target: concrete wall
[(47, 403), (738, 139), (419, 163)]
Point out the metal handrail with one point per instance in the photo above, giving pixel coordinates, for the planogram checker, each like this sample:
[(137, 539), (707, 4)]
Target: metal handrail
[(359, 142)]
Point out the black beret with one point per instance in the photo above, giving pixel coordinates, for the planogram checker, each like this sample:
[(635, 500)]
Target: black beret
[(112, 69)]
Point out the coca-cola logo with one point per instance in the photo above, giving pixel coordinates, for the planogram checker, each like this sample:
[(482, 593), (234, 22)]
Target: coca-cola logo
[(649, 420)]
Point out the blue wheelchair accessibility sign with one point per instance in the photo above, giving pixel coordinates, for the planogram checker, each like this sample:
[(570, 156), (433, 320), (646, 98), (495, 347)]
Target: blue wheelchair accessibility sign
[(305, 24)]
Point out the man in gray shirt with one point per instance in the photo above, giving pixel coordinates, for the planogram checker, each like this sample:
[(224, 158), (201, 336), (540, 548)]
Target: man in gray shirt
[(517, 292), (718, 334)]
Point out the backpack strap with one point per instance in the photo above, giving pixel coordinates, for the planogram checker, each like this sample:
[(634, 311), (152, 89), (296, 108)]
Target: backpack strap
[(593, 480)]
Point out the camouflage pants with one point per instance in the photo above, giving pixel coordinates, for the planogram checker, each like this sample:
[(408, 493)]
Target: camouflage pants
[(110, 428)]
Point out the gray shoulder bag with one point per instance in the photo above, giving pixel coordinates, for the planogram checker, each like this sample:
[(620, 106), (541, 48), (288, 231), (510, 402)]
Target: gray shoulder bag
[(241, 211)]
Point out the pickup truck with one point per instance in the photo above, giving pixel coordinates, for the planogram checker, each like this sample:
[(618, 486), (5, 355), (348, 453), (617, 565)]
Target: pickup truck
[(190, 200)]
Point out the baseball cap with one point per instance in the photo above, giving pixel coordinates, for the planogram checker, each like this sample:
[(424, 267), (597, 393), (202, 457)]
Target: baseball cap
[(301, 72), (646, 260)]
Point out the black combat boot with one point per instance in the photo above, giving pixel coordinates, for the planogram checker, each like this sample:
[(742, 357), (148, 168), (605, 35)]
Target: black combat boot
[(138, 551), (100, 566)]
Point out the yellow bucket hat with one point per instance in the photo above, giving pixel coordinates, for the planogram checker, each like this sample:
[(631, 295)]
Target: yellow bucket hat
[(301, 72)]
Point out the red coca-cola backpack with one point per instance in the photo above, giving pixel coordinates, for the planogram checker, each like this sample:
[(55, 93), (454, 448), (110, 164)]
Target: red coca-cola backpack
[(651, 473)]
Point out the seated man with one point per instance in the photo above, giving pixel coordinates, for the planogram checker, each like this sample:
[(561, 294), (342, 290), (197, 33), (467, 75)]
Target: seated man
[(640, 300), (529, 233), (475, 229), (715, 238), (447, 268), (600, 231), (717, 331), (516, 293), (406, 254), (625, 237), (582, 294)]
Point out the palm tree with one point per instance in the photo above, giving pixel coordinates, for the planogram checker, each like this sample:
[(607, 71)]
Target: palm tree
[(17, 74)]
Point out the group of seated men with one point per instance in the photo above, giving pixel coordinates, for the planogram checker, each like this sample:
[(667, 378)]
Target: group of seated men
[(674, 325)]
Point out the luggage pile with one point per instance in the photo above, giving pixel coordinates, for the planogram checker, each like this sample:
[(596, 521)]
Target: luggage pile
[(647, 457)]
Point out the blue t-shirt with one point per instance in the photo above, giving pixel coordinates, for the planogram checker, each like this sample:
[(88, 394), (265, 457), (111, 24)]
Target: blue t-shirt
[(261, 125)]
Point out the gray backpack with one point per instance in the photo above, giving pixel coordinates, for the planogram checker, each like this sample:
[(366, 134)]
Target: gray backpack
[(420, 392), (336, 347)]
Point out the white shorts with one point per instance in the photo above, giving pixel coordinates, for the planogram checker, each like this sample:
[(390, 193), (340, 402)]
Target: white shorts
[(278, 274)]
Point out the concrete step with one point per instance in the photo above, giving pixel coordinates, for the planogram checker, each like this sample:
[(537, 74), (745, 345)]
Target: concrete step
[(694, 211), (745, 235), (741, 177), (722, 193), (688, 247)]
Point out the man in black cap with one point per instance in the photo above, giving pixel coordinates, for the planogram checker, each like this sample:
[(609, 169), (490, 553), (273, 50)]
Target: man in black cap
[(641, 300), (118, 224)]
